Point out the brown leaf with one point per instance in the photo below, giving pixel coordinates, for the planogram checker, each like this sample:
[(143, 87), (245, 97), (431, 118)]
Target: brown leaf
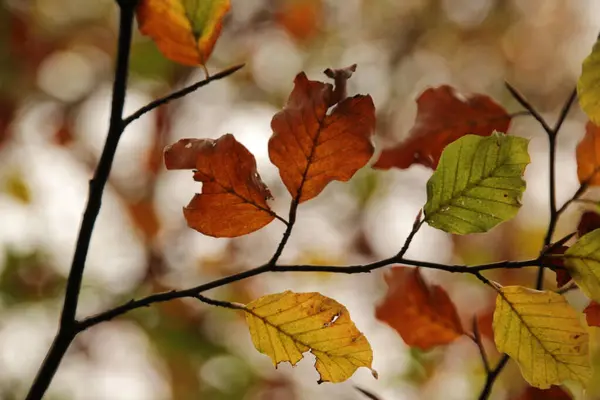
[(423, 315), (311, 147), (588, 156), (590, 221), (554, 393), (233, 201), (592, 314), (562, 275), (442, 118), (302, 19)]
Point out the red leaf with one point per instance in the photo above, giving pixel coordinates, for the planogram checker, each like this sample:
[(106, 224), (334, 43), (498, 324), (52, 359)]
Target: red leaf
[(554, 393), (312, 147), (562, 275), (234, 198), (592, 314), (423, 315), (443, 117), (589, 221)]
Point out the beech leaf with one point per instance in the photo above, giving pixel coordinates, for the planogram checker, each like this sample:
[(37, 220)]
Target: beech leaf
[(312, 147), (592, 314), (443, 116), (233, 201), (588, 156), (185, 31), (583, 263), (423, 315), (588, 85), (477, 184), (286, 325), (543, 334)]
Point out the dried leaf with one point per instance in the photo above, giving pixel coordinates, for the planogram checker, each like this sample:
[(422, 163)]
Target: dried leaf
[(543, 334), (423, 315), (443, 117), (185, 31), (592, 314), (554, 393), (589, 221), (312, 147), (285, 325), (233, 201), (588, 156), (478, 183), (583, 263)]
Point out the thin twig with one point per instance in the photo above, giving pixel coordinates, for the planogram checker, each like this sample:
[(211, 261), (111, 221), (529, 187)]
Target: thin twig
[(415, 228), (491, 378), (479, 342), (219, 303), (180, 93), (367, 394), (521, 100), (67, 328)]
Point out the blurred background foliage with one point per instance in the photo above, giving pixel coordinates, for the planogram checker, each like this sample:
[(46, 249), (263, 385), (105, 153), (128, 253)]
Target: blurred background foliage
[(56, 59)]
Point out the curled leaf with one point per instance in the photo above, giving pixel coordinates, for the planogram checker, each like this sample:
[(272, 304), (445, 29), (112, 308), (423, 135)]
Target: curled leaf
[(285, 325), (422, 314), (185, 31), (443, 117), (233, 201), (477, 184), (312, 147), (543, 334)]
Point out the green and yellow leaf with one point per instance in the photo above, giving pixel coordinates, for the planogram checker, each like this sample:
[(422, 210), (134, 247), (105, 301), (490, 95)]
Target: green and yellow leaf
[(582, 260), (285, 325), (477, 184), (185, 31), (588, 86), (543, 334)]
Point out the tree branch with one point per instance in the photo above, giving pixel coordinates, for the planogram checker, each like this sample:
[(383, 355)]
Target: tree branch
[(180, 93), (66, 332)]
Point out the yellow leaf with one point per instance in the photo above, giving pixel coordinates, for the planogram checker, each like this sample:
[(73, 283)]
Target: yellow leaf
[(185, 31), (588, 86), (285, 325), (582, 260), (543, 334)]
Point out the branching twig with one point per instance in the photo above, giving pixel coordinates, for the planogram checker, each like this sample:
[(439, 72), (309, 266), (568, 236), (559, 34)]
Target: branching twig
[(491, 378), (479, 342), (180, 93), (415, 228)]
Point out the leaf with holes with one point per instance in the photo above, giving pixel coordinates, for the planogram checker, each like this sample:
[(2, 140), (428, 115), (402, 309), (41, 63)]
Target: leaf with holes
[(320, 135), (583, 263), (443, 116), (588, 156), (477, 184), (185, 31), (233, 201), (423, 315), (543, 334), (285, 325), (588, 85)]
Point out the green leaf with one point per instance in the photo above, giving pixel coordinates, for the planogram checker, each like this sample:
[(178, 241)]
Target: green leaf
[(588, 86), (543, 334), (477, 184), (583, 263)]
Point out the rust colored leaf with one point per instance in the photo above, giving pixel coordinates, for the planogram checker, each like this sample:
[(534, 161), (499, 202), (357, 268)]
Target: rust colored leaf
[(592, 314), (443, 117), (562, 275), (422, 314), (590, 221), (302, 19), (233, 201), (554, 393), (312, 147), (588, 156), (185, 31)]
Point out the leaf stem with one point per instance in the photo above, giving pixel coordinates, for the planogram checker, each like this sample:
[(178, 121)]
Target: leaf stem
[(67, 328)]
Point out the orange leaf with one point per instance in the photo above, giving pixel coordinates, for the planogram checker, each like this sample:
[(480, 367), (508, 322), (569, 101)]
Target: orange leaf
[(423, 315), (588, 156), (592, 314), (311, 147), (442, 118), (554, 393), (301, 18), (185, 31), (234, 198)]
